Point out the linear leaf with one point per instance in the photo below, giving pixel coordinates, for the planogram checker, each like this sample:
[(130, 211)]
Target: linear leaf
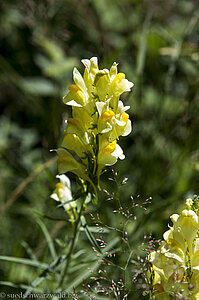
[(44, 274), (18, 286), (24, 261), (48, 239)]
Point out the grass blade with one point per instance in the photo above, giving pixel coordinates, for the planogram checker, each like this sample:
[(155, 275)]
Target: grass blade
[(48, 239), (24, 261)]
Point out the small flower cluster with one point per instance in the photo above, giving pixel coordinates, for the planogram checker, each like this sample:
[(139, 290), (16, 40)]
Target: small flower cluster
[(174, 269), (99, 118)]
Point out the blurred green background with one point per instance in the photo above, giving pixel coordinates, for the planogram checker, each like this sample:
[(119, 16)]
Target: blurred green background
[(156, 44)]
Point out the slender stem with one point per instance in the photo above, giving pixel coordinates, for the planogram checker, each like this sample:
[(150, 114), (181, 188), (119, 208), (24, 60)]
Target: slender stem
[(77, 222)]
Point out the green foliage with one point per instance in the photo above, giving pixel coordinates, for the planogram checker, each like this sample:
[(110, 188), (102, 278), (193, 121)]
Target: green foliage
[(156, 46)]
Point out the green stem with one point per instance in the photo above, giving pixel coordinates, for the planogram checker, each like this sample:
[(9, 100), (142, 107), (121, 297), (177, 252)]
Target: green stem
[(77, 222)]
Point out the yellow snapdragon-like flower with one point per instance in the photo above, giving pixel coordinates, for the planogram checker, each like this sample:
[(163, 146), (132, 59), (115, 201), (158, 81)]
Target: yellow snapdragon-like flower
[(62, 193), (174, 267), (109, 154), (99, 118)]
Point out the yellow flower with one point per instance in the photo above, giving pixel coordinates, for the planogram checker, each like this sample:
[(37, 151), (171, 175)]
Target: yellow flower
[(177, 259), (91, 68), (188, 222), (106, 121), (62, 193), (119, 85), (109, 153), (99, 118), (102, 81), (118, 125), (107, 115), (75, 96)]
